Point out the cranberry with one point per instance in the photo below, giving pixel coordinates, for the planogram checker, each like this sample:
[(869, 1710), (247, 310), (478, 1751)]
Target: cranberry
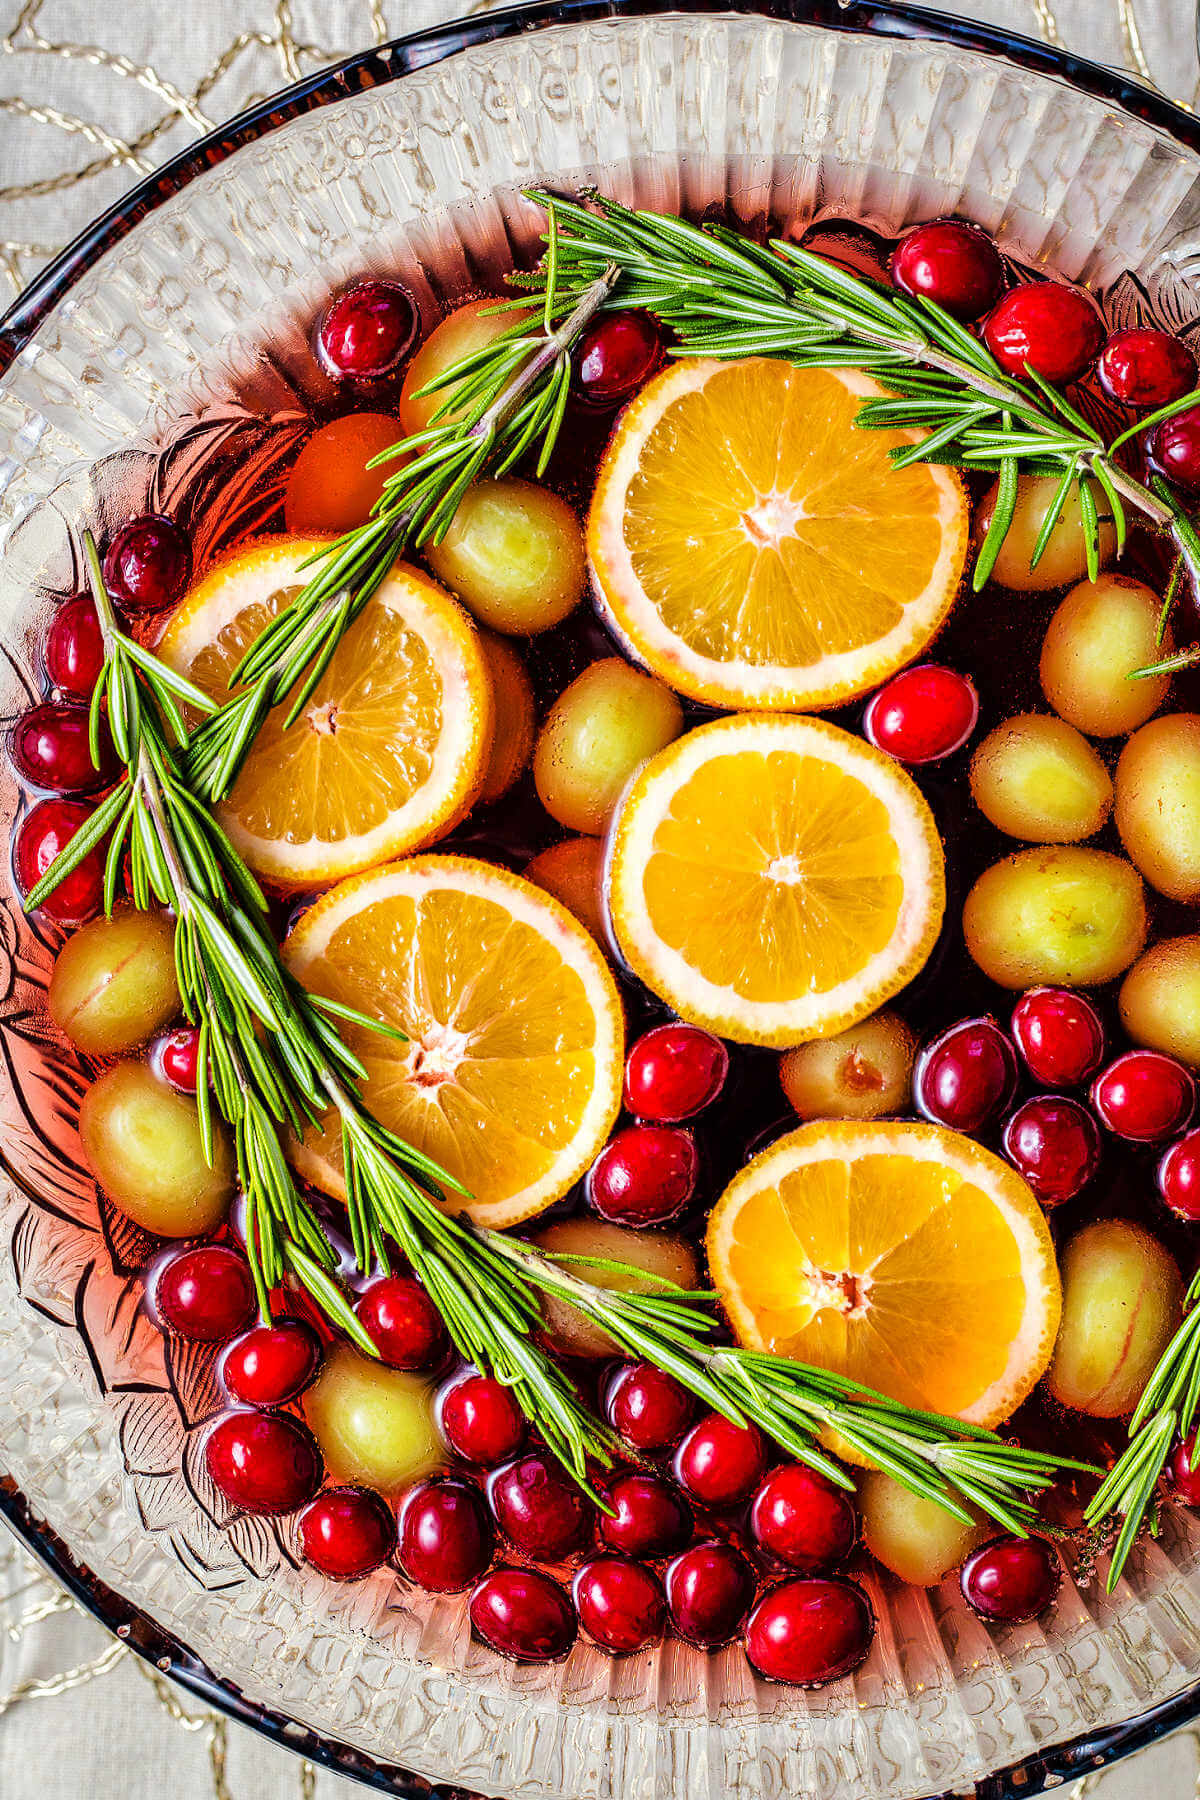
[(47, 829), (1144, 367), (1059, 1035), (402, 1322), (1053, 328), (1011, 1579), (1179, 1177), (709, 1590), (523, 1614), (1144, 1096), (955, 264), (271, 1364), (922, 714), (615, 355), (49, 748), (148, 564), (367, 330), (75, 647), (645, 1175), (965, 1075), (1174, 449), (673, 1072), (538, 1507), (445, 1535), (205, 1293), (1183, 1473), (480, 1420), (810, 1631), (263, 1462), (649, 1517), (176, 1058), (803, 1519), (346, 1532), (647, 1407), (720, 1463), (1053, 1142), (620, 1604)]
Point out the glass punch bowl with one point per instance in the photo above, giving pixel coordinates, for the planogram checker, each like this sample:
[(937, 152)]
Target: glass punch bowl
[(169, 352)]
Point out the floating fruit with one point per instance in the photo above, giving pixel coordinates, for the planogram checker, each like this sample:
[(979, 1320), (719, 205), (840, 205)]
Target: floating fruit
[(902, 1255), (1158, 804), (648, 1517), (709, 1589), (75, 647), (1065, 555), (719, 1462), (1183, 1472), (1100, 633), (1122, 1294), (42, 835), (1061, 914), (1059, 1035), (864, 1072), (513, 713), (50, 748), (445, 1535), (756, 550), (1036, 777), (573, 872), (540, 1509), (263, 1463), (330, 487), (1011, 1579), (374, 1425), (113, 982), (461, 333), (271, 1364), (615, 356), (148, 564), (1146, 368), (915, 1538), (647, 1407), (480, 1419), (810, 1631), (965, 1075), (144, 1145), (391, 747), (1160, 999), (596, 736), (1046, 326), (1144, 1096), (1052, 1141), (951, 262), (620, 1604), (774, 879), (402, 1322), (1179, 1177), (645, 1175), (346, 1532), (1174, 449), (205, 1293), (176, 1058), (673, 1072), (510, 1072), (664, 1259), (922, 715), (514, 556), (367, 330), (802, 1519), (523, 1615)]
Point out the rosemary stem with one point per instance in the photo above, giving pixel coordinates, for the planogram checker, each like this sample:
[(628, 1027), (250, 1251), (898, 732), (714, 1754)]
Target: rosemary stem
[(556, 344)]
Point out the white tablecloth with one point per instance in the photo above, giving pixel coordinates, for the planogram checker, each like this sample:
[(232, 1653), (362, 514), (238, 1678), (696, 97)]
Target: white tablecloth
[(93, 94)]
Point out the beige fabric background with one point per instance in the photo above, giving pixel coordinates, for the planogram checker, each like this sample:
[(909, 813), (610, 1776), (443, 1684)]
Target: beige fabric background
[(93, 94)]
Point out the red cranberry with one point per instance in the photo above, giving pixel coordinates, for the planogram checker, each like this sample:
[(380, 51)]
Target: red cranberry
[(538, 1507), (647, 1407), (402, 1322), (620, 1604), (367, 330), (176, 1058), (922, 714), (645, 1175), (445, 1535), (480, 1420), (263, 1462), (1053, 328), (347, 1532), (1183, 1472), (1053, 1142), (965, 1075), (1179, 1177), (709, 1589), (1144, 367), (49, 748), (75, 647), (649, 1517), (524, 1615), (1011, 1579), (205, 1293), (1144, 1096), (272, 1363), (803, 1519), (720, 1463), (148, 564), (1059, 1035), (43, 833), (810, 1631), (673, 1072), (1174, 449), (952, 263), (615, 355)]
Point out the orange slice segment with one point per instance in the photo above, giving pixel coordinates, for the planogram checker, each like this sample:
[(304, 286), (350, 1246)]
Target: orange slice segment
[(756, 549), (391, 748), (902, 1255), (774, 878), (511, 1075)]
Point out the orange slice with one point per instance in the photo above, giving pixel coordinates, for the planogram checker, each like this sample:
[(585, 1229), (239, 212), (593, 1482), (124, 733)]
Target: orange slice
[(902, 1255), (774, 878), (511, 1076), (756, 549), (391, 748)]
